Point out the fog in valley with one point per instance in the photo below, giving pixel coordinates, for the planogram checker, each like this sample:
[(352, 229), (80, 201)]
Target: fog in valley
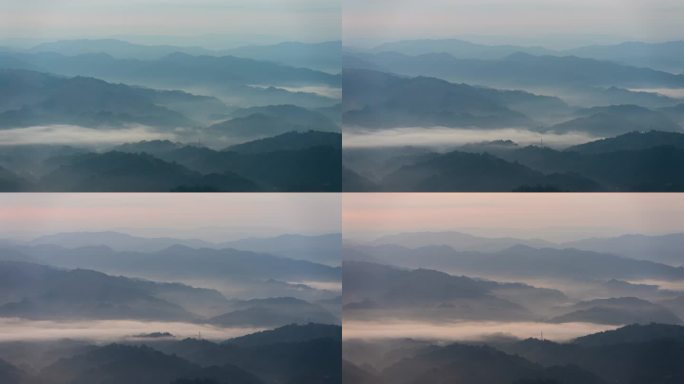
[(179, 99), (466, 331), (428, 298), (445, 139), (512, 97), (125, 304)]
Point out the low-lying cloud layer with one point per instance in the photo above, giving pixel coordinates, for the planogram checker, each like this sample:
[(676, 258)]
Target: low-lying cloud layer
[(14, 329), (76, 135), (467, 331), (442, 137)]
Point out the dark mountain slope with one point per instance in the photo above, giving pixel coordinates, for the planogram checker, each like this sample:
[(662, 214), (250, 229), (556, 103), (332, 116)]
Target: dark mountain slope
[(289, 334), (39, 292), (274, 312), (377, 99), (631, 141), (624, 310), (617, 120), (634, 333), (475, 365), (259, 122), (428, 294), (32, 98), (123, 172), (323, 56), (136, 365), (526, 70), (526, 262), (461, 171)]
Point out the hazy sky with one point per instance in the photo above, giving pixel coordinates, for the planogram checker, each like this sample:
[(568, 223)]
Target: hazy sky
[(212, 216), (553, 216), (243, 21), (521, 21)]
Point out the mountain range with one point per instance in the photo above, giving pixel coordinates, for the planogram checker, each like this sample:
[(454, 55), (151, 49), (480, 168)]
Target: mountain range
[(33, 98), (322, 249), (631, 354), (289, 162), (304, 354), (665, 56), (236, 81), (375, 291), (321, 56), (42, 292), (635, 161), (517, 67), (520, 261), (375, 99)]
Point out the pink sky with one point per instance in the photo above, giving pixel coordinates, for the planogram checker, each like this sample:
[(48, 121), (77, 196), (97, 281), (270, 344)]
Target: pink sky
[(514, 19), (184, 215), (551, 215)]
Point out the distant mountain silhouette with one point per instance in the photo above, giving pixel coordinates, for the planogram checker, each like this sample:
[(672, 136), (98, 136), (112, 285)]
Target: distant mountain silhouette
[(300, 162), (230, 78), (479, 364), (385, 291), (308, 358), (633, 333), (665, 56), (461, 171), (314, 361), (631, 141), (455, 47), (522, 70), (32, 98), (315, 248), (258, 122), (119, 49), (526, 262), (39, 292), (647, 354), (458, 241), (323, 56), (662, 249), (322, 249), (377, 99), (297, 162), (180, 262), (636, 162), (624, 310), (289, 334), (121, 363), (122, 172), (650, 169), (274, 312), (617, 120), (115, 240)]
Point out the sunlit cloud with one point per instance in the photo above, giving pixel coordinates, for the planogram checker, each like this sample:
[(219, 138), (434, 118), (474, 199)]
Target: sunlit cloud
[(443, 137), (467, 331), (539, 20), (75, 135), (14, 329), (562, 216)]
